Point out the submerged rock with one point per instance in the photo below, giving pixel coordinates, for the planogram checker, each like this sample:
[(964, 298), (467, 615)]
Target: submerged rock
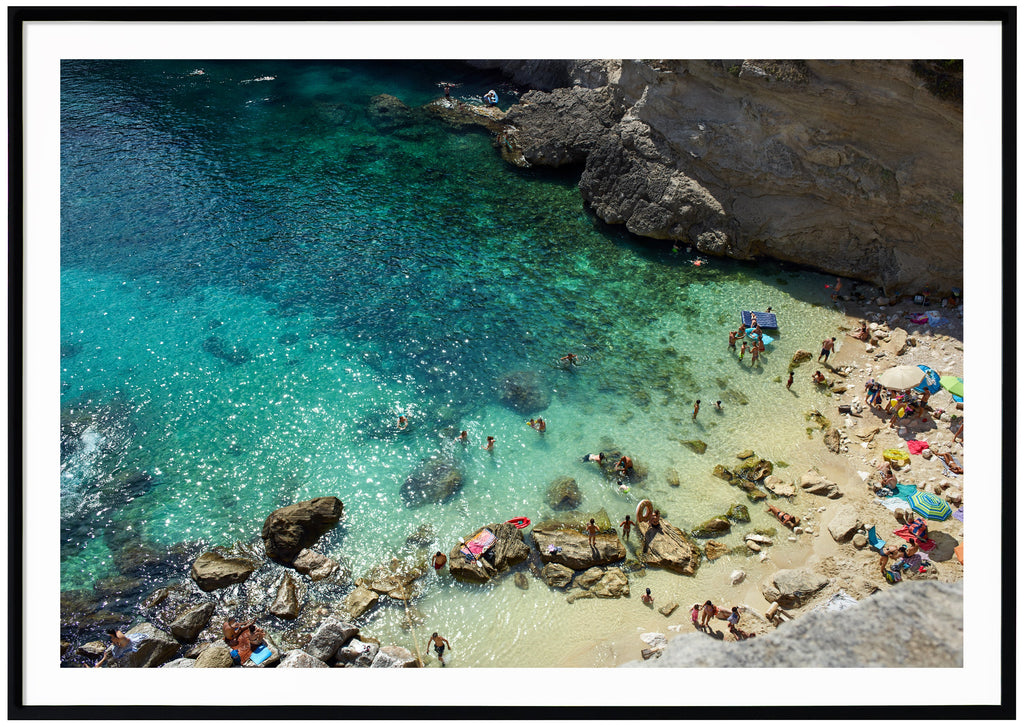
[(360, 601), (289, 529), (710, 528), (738, 513), (564, 494), (524, 392), (233, 354), (435, 480), (557, 575)]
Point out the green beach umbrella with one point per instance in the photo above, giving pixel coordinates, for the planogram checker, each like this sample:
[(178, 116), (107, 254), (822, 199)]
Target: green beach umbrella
[(953, 384), (932, 507)]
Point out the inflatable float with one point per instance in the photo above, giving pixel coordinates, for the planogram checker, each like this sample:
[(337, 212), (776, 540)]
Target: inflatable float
[(644, 510), (895, 455), (519, 522)]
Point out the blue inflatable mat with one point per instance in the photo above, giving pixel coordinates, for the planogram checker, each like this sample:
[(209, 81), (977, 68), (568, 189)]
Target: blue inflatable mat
[(765, 320), (261, 654), (768, 340)]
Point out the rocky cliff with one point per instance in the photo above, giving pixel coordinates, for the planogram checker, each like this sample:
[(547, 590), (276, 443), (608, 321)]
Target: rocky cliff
[(851, 167)]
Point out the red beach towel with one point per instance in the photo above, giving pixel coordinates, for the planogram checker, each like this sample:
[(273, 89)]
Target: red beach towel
[(925, 545), (916, 446)]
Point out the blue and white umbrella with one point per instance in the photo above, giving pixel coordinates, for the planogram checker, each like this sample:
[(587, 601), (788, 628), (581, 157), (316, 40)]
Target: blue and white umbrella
[(930, 381)]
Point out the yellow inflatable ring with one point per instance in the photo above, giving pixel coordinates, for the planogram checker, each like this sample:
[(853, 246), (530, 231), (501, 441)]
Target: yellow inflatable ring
[(644, 510), (895, 455)]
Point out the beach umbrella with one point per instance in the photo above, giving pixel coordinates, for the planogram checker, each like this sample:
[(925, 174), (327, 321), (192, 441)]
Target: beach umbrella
[(953, 384), (931, 380), (900, 378), (932, 507)]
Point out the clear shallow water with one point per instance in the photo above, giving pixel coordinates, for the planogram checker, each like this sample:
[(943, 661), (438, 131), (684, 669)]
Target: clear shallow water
[(259, 275)]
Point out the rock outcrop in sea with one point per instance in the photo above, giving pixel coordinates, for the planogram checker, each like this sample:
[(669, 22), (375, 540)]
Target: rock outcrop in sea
[(851, 167)]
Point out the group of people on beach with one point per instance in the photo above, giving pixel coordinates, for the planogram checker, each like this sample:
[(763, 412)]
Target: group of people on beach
[(756, 345), (701, 617)]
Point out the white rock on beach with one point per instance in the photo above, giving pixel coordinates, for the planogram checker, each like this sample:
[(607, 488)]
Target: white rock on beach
[(737, 577), (654, 640)]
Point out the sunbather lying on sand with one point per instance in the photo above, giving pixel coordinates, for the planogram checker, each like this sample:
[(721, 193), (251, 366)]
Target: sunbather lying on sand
[(785, 518), (951, 463)]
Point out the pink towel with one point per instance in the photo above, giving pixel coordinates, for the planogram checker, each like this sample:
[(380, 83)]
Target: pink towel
[(916, 446), (925, 545)]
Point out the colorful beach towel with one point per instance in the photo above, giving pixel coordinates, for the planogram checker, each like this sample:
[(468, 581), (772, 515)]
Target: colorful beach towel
[(925, 545), (959, 513), (479, 543), (959, 551), (895, 503), (916, 446)]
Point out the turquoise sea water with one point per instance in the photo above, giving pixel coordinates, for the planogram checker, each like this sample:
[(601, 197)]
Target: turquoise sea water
[(259, 275)]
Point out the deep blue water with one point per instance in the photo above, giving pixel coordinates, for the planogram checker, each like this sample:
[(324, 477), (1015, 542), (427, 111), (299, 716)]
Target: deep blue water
[(259, 275)]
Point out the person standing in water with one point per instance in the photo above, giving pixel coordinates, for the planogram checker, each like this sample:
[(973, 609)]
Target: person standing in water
[(490, 444), (626, 525), (439, 643), (789, 381), (696, 404)]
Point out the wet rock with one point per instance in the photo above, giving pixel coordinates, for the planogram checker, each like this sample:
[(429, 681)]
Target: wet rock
[(92, 650), (710, 528), (844, 523), (394, 657), (328, 638), (316, 565), (738, 513), (793, 587), (182, 663), (668, 547), (696, 445), (754, 469), (299, 659), (737, 577), (759, 538), (799, 357), (714, 550), (557, 575), (722, 473), (564, 494), (756, 495), (578, 594), (388, 112), (360, 601), (212, 571), (672, 477), (156, 598), (233, 354), (745, 454), (832, 440), (668, 610), (157, 648), (814, 483), (423, 536), (524, 392), (286, 602), (753, 546), (187, 626), (289, 529), (604, 582), (217, 656), (435, 480), (521, 581), (394, 579)]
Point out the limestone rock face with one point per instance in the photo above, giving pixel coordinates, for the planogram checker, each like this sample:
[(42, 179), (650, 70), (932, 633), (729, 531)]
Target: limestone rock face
[(668, 547), (286, 602), (832, 440), (816, 484), (187, 626), (433, 481), (792, 587), (316, 565), (844, 523), (556, 575), (779, 486), (604, 582), (212, 571), (289, 529), (299, 659), (563, 126), (774, 158), (328, 638)]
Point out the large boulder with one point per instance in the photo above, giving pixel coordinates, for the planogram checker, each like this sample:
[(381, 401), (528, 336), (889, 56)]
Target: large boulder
[(753, 469), (564, 494), (816, 484), (711, 528), (524, 392), (158, 648), (394, 657), (216, 656), (328, 638), (566, 542), (738, 513), (557, 575), (844, 523), (299, 659), (778, 486), (212, 570), (286, 602), (833, 442), (357, 653), (715, 550), (289, 529), (434, 480), (394, 579), (668, 547), (187, 626), (792, 587), (360, 601), (799, 357), (508, 549), (604, 582)]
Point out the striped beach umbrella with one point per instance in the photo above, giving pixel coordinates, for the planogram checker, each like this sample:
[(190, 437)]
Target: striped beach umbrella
[(932, 507), (931, 380)]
